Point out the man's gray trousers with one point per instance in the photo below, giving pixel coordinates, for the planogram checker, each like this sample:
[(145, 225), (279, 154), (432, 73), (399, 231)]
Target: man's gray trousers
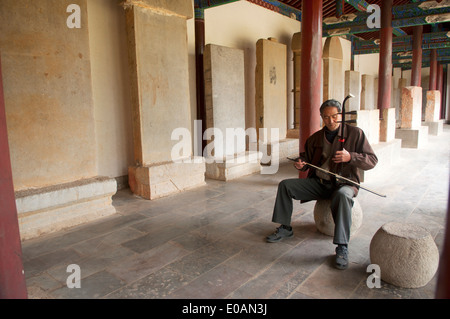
[(313, 189)]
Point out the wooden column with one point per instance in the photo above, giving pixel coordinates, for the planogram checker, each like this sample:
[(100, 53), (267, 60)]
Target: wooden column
[(443, 282), (433, 70), (12, 278), (439, 85), (385, 67), (200, 76), (416, 75), (311, 71)]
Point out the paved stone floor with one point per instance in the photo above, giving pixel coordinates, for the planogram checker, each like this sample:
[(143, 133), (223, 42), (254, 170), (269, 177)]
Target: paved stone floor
[(209, 242)]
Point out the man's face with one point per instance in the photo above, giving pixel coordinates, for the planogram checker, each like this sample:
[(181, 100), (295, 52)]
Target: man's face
[(331, 117)]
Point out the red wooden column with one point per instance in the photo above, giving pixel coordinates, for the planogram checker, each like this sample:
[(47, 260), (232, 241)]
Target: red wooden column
[(433, 70), (439, 84), (200, 77), (416, 74), (311, 71), (385, 67), (443, 283), (12, 279)]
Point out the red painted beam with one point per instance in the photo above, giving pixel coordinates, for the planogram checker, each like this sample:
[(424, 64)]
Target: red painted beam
[(311, 71), (385, 67), (12, 279)]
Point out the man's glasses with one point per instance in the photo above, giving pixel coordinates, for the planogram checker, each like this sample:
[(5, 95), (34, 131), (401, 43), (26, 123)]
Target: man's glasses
[(334, 117)]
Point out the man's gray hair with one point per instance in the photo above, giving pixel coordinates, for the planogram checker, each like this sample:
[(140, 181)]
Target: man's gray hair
[(331, 102)]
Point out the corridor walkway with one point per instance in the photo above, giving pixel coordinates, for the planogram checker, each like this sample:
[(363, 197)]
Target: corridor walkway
[(209, 242)]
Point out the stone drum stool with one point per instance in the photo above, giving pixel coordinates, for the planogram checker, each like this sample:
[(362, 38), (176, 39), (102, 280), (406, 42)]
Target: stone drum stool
[(324, 218), (407, 254)]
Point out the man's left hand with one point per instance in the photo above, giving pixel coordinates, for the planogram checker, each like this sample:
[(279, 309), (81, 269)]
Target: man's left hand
[(342, 156)]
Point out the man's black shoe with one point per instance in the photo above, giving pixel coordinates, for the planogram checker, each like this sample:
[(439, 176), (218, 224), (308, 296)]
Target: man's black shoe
[(279, 234), (341, 257)]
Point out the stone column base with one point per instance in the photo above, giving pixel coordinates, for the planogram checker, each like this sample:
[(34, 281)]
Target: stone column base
[(233, 166), (160, 180), (280, 151), (435, 128), (412, 138), (54, 208)]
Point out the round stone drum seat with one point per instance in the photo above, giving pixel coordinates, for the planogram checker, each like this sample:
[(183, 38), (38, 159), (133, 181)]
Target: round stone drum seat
[(406, 253), (324, 219)]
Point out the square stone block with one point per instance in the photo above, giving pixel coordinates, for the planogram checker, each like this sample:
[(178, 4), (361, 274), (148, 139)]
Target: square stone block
[(278, 152), (413, 138), (435, 128), (54, 208), (433, 106), (233, 166), (160, 180)]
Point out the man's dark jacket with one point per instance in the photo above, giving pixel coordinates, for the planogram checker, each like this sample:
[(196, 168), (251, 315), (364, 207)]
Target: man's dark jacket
[(362, 154)]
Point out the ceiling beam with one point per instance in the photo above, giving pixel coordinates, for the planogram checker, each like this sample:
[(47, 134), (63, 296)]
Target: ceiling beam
[(362, 6), (276, 6), (427, 12), (435, 40)]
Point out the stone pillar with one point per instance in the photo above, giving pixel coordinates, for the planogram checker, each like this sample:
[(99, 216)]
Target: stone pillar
[(333, 74), (411, 132), (368, 117), (270, 78), (158, 54), (398, 114), (369, 122), (311, 71), (411, 107), (432, 113), (226, 155), (367, 92), (353, 86), (51, 119), (271, 100), (387, 125)]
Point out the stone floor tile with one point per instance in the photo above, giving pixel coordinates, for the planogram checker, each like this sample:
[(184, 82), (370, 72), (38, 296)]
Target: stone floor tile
[(217, 283), (95, 286), (154, 286), (136, 267)]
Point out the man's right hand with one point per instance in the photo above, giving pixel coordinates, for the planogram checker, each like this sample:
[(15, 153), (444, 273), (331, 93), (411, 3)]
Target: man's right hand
[(299, 164)]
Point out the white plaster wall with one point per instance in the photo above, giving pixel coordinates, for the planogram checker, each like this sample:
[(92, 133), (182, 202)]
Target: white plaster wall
[(240, 25), (110, 86)]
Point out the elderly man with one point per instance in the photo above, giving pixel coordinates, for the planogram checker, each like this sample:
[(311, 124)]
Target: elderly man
[(323, 149)]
